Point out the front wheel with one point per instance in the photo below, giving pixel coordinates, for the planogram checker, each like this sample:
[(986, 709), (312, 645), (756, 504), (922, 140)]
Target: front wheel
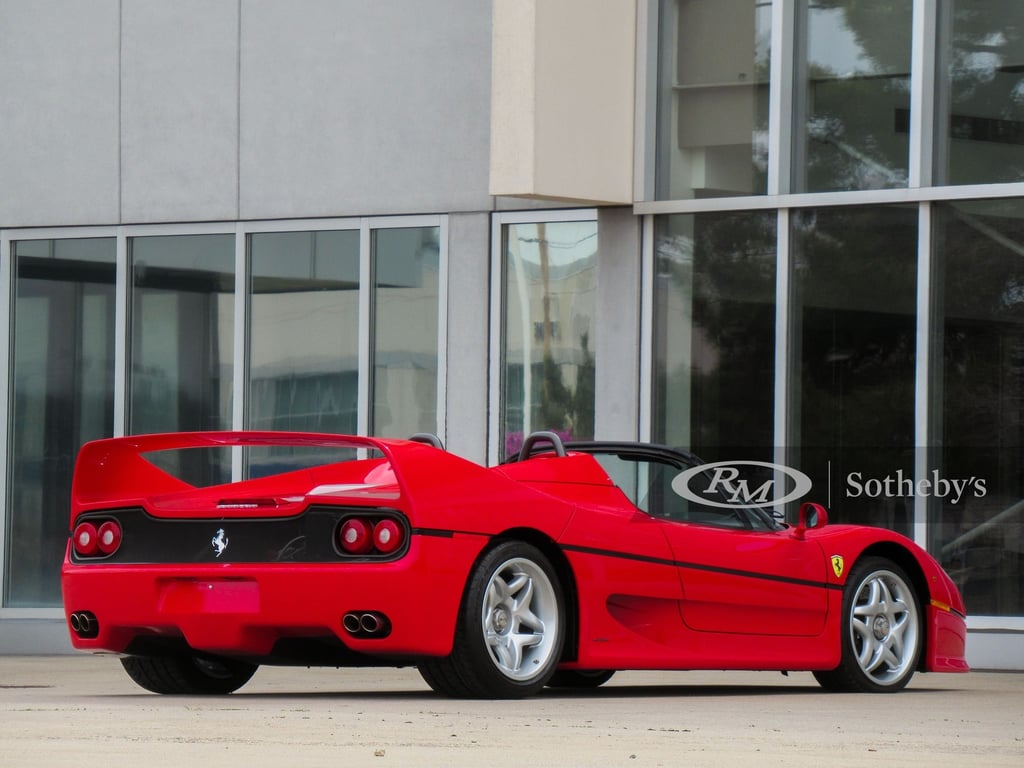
[(881, 631), (192, 675), (510, 632)]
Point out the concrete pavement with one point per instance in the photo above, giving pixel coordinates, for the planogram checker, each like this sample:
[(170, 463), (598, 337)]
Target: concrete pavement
[(83, 711)]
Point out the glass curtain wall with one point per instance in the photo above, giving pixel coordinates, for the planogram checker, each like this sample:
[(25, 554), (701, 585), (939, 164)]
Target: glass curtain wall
[(979, 120), (712, 134), (977, 401), (182, 344), (852, 101), (305, 297), (303, 338), (859, 392), (404, 348), (714, 334), (62, 395), (550, 284)]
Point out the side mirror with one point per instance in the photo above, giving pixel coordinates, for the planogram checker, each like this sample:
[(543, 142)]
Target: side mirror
[(811, 516)]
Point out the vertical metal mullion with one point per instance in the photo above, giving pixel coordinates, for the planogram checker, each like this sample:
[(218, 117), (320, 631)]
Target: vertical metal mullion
[(6, 348), (644, 416), (922, 93), (240, 373), (780, 97), (365, 379), (922, 369), (783, 297), (122, 332), (441, 428), (496, 326)]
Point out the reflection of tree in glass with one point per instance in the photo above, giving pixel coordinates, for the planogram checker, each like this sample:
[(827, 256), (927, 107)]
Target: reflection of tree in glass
[(856, 121), (855, 322), (562, 407), (727, 269), (986, 92)]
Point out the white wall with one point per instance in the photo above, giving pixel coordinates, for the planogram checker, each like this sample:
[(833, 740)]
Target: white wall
[(144, 111), (59, 154)]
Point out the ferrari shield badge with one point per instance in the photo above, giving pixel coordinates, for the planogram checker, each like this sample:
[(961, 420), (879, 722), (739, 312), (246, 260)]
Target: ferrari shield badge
[(837, 566)]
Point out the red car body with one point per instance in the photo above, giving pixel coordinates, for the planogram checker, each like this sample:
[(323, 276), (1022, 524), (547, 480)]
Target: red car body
[(197, 586)]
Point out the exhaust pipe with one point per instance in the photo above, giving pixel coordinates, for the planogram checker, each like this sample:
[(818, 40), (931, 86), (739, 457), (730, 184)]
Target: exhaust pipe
[(84, 624), (366, 624), (351, 623)]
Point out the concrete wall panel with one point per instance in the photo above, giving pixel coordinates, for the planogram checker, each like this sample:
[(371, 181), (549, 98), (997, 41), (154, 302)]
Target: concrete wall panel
[(617, 386), (58, 112), (180, 110), (349, 107), (468, 288)]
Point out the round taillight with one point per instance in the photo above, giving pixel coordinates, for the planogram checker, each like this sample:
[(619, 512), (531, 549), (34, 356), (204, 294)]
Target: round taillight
[(387, 536), (109, 537), (86, 540), (354, 536)]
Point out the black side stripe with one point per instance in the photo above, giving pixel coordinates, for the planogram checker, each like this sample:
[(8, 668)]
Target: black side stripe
[(700, 567)]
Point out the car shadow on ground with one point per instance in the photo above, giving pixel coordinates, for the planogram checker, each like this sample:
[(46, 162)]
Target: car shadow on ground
[(548, 694)]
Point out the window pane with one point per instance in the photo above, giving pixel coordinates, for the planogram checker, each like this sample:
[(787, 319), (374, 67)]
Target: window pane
[(63, 392), (979, 402), (182, 340), (303, 338), (714, 334), (550, 285), (713, 98), (853, 104), (405, 309), (854, 346), (980, 105)]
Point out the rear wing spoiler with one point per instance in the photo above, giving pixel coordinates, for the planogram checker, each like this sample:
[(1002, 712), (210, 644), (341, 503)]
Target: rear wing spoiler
[(116, 468)]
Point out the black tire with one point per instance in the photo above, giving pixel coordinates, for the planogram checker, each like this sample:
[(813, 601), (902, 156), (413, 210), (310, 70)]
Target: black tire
[(188, 675), (510, 631), (580, 678), (882, 631)]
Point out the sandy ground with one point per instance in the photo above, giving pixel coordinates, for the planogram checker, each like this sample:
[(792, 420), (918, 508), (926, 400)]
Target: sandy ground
[(83, 711)]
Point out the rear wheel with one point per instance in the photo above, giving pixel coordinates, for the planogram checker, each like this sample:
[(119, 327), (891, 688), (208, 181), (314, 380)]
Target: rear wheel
[(881, 632), (510, 631), (190, 675)]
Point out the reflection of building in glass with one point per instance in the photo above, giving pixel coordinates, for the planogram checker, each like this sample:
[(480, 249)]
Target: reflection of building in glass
[(550, 301)]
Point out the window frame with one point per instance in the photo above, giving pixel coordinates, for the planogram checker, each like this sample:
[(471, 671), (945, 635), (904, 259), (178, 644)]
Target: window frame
[(496, 319)]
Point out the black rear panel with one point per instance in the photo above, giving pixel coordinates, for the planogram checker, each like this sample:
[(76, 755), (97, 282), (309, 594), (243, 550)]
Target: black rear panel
[(310, 537)]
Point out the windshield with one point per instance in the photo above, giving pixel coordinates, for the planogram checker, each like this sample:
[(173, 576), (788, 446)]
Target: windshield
[(647, 482)]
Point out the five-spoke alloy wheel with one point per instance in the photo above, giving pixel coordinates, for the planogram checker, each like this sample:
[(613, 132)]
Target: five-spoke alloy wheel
[(881, 632), (511, 628)]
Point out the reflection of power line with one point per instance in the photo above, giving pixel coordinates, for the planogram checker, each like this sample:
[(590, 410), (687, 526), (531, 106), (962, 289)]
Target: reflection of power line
[(556, 244), (990, 232), (893, 177), (978, 530)]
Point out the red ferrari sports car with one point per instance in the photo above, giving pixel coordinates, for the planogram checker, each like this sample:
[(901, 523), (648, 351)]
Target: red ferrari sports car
[(559, 568)]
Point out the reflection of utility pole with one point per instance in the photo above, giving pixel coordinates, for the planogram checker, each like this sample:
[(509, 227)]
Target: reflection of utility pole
[(548, 388), (525, 331), (542, 242)]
